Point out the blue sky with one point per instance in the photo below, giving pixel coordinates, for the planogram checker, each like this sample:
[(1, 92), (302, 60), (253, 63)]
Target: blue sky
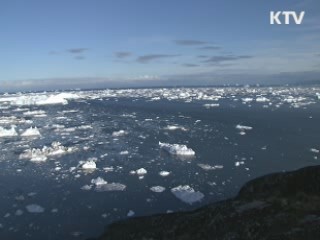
[(81, 43)]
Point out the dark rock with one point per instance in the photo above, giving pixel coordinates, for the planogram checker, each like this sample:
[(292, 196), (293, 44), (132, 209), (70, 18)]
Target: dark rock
[(279, 206)]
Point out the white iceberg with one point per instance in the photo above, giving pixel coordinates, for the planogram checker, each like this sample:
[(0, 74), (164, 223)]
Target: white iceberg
[(211, 105), (90, 164), (177, 149), (243, 128), (31, 132), (119, 133), (157, 189), (208, 167), (164, 173), (98, 181), (141, 171), (8, 132), (175, 127), (187, 194)]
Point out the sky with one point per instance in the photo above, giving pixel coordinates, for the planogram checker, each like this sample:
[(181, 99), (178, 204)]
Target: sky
[(52, 44)]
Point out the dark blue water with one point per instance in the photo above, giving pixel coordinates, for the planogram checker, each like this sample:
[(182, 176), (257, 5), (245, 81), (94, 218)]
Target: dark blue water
[(281, 139)]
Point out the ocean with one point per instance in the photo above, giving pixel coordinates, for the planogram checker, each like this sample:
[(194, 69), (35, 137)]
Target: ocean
[(72, 162)]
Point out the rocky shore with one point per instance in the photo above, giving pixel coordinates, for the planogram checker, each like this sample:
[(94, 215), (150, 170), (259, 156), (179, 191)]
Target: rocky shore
[(278, 206)]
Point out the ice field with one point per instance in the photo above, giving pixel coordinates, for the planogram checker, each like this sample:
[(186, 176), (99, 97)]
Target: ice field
[(73, 162)]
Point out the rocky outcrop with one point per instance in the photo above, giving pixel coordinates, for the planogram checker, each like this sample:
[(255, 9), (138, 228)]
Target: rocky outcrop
[(278, 206)]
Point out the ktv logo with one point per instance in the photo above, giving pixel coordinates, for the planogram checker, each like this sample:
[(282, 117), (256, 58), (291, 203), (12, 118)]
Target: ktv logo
[(286, 17)]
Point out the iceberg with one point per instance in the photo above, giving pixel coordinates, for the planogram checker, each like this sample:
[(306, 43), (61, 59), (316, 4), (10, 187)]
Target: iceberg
[(175, 127), (8, 132), (108, 187), (90, 164), (31, 132), (157, 189), (164, 173), (119, 133), (141, 171), (243, 128), (187, 194), (177, 149)]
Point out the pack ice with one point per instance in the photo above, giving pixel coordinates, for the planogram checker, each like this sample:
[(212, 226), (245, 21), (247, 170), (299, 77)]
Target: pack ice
[(177, 149)]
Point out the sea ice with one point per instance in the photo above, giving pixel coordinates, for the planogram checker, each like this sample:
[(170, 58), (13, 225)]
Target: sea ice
[(164, 173), (242, 127), (177, 149), (98, 181), (211, 105), (90, 164), (110, 187), (34, 208), (130, 213), (30, 132), (174, 127), (119, 133), (187, 194), (157, 189), (141, 171), (207, 167), (8, 132)]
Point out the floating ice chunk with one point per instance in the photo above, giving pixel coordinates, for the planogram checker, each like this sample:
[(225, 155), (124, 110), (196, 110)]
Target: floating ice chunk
[(242, 127), (177, 149), (130, 213), (141, 171), (36, 154), (34, 208), (157, 189), (19, 212), (314, 150), (53, 99), (110, 187), (164, 173), (237, 164), (211, 105), (30, 132), (124, 153), (8, 132), (90, 164), (187, 194), (98, 181), (119, 133), (262, 99), (86, 187), (174, 127), (207, 167)]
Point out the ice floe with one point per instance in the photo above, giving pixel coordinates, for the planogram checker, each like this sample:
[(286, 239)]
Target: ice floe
[(31, 132), (243, 127), (130, 213), (11, 132), (314, 150), (39, 155), (119, 133), (208, 167), (187, 194), (90, 164), (211, 105), (177, 149), (164, 173), (157, 189), (175, 127), (34, 208), (141, 171)]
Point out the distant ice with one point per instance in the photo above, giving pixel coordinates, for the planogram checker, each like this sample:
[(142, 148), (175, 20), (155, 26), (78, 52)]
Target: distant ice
[(177, 149), (208, 167), (8, 132), (130, 213), (119, 133), (141, 171), (110, 187), (211, 105), (164, 173), (98, 181), (30, 132), (34, 208), (314, 150), (187, 194), (157, 189), (37, 155), (90, 164), (242, 127), (175, 127)]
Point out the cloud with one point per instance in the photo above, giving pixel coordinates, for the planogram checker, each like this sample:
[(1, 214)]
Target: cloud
[(226, 58), (77, 50), (210, 48), (150, 57), (190, 65), (190, 42), (122, 54)]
